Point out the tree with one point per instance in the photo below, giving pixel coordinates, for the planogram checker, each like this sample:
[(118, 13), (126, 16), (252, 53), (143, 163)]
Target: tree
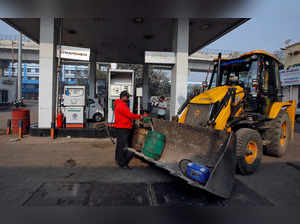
[(80, 77), (138, 72), (193, 89), (159, 84)]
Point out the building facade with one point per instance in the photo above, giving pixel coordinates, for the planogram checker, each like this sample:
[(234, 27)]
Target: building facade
[(292, 56), (71, 74), (290, 76)]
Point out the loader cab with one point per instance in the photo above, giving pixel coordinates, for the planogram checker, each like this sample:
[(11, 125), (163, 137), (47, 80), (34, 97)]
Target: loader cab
[(257, 73), (240, 71)]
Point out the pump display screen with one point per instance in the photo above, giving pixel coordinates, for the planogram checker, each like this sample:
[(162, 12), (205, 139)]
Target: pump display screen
[(74, 92), (115, 90)]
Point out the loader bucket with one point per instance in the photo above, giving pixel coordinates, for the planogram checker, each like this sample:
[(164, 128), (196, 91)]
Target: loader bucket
[(205, 146)]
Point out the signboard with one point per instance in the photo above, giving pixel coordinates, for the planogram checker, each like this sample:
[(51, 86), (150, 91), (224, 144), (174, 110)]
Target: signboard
[(156, 57), (74, 53), (290, 77)]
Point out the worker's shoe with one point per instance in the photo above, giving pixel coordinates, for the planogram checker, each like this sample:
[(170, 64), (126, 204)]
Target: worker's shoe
[(126, 167)]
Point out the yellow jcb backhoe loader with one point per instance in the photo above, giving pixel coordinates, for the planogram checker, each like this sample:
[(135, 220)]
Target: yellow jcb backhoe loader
[(228, 126)]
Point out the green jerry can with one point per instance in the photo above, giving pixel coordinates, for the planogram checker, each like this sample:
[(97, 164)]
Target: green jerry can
[(154, 145), (147, 120)]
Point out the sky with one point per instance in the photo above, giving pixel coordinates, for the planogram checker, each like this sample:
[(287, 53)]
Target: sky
[(273, 22), (6, 29)]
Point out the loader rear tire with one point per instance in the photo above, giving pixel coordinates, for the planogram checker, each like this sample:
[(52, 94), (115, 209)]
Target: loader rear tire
[(279, 135), (249, 150)]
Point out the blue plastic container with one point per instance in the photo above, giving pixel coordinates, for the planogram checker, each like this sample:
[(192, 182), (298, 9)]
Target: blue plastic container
[(198, 172)]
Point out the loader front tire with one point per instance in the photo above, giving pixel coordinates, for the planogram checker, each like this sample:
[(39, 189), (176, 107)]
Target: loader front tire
[(279, 135), (249, 150)]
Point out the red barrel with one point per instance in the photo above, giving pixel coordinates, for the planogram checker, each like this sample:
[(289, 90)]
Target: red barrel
[(24, 116)]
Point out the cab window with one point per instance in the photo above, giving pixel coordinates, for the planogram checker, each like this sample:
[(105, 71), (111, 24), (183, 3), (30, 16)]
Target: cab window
[(271, 79), (241, 70)]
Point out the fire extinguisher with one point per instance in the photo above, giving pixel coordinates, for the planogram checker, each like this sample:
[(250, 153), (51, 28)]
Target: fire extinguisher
[(59, 120)]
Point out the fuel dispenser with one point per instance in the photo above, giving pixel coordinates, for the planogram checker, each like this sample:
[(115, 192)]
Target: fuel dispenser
[(74, 101), (118, 81)]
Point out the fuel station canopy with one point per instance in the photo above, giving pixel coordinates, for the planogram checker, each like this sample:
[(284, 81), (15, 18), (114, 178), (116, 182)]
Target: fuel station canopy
[(125, 40), (119, 31)]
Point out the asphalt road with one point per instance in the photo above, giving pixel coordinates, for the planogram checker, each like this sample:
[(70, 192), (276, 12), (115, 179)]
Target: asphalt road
[(81, 172)]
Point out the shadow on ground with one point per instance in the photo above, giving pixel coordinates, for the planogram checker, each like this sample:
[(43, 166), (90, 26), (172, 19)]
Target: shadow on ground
[(36, 174), (103, 186)]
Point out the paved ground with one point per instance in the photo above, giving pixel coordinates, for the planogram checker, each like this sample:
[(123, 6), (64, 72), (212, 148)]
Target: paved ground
[(81, 172), (278, 179)]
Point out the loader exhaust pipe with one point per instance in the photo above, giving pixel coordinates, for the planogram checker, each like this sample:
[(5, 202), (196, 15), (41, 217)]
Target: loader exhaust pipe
[(219, 80)]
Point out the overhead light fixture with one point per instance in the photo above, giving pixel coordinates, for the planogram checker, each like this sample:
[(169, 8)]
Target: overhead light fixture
[(71, 31), (204, 27), (148, 36), (131, 46), (138, 20)]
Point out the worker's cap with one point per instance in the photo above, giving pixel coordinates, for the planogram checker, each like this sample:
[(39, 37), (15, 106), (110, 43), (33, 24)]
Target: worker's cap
[(124, 93)]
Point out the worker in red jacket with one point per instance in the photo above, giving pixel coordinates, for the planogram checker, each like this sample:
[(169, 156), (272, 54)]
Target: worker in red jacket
[(123, 126)]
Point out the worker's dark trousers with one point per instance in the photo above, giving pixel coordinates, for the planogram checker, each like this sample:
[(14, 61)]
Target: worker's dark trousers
[(161, 117), (123, 156)]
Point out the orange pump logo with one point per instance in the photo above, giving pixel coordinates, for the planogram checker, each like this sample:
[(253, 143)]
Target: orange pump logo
[(197, 112)]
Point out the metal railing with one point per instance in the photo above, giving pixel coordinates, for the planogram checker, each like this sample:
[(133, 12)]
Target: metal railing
[(216, 51), (279, 53), (14, 37)]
